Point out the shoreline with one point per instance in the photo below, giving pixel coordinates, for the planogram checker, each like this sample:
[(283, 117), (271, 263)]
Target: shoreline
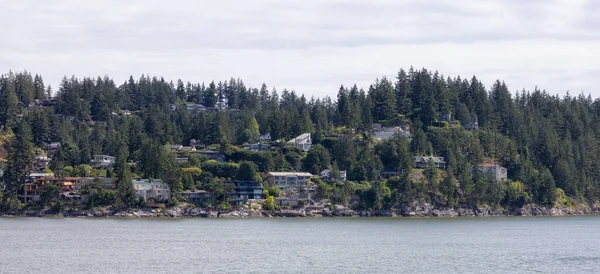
[(418, 210)]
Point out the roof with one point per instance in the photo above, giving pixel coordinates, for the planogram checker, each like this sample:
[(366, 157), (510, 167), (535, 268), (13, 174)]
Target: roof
[(193, 192), (430, 158), (303, 138), (289, 174), (490, 165), (41, 175)]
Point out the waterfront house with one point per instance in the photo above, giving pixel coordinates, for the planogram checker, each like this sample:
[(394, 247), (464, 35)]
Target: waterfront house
[(423, 162), (288, 179), (244, 191), (149, 189), (103, 161), (498, 172), (197, 196), (303, 142), (327, 176)]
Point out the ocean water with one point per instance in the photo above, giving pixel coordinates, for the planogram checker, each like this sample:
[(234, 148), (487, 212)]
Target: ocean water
[(301, 245)]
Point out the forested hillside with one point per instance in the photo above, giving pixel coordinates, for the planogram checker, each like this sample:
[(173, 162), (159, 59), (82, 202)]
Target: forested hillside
[(548, 143)]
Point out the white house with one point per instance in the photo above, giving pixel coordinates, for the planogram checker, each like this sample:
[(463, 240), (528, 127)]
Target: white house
[(265, 138), (326, 175), (288, 179), (103, 161), (156, 190), (303, 142)]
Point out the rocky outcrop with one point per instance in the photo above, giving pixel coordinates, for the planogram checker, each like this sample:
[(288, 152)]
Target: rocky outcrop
[(416, 209)]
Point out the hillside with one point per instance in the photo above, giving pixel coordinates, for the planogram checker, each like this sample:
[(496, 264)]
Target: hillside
[(447, 141)]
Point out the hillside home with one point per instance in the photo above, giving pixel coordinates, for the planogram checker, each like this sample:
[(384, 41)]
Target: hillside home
[(288, 179), (40, 163), (423, 162), (498, 172), (327, 176), (265, 138), (303, 142), (213, 155), (103, 161), (257, 147)]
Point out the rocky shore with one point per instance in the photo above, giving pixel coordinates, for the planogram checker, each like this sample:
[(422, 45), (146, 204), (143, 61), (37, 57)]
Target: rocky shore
[(418, 209)]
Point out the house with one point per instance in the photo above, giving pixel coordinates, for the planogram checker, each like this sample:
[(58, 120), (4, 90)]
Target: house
[(149, 189), (195, 143), (103, 161), (107, 183), (195, 107), (52, 147), (34, 187), (303, 142), (447, 117), (244, 191), (265, 138), (498, 172), (40, 163), (326, 176), (386, 174), (423, 161), (197, 196), (181, 160), (175, 148), (472, 125), (386, 133), (213, 155), (48, 102), (257, 147), (288, 179)]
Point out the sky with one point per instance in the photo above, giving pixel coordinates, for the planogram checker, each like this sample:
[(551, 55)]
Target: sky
[(310, 46)]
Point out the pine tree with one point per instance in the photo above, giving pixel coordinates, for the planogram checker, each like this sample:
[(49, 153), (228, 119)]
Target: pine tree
[(20, 160), (124, 182)]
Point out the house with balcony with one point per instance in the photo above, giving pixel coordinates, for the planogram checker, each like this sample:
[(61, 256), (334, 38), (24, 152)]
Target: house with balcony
[(155, 190), (244, 191), (257, 147), (288, 179), (197, 196), (103, 161), (327, 176), (423, 162)]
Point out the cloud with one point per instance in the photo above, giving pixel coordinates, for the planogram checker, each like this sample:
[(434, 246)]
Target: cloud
[(309, 46)]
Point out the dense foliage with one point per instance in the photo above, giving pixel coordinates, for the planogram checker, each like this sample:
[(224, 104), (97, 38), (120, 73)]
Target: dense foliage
[(548, 143)]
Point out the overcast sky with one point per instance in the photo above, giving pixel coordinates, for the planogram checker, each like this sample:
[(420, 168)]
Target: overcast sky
[(310, 46)]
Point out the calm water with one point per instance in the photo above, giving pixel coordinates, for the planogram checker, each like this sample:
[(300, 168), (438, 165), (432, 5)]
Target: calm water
[(358, 245)]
